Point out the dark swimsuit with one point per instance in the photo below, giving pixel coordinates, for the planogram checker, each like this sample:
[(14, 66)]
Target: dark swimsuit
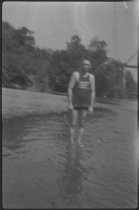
[(82, 93)]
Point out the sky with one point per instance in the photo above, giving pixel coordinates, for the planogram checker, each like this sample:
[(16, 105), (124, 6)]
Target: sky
[(54, 23)]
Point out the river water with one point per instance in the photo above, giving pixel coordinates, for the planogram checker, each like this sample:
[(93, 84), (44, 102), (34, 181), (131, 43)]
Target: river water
[(41, 169)]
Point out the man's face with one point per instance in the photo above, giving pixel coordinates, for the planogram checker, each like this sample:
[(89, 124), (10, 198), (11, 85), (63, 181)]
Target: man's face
[(86, 66)]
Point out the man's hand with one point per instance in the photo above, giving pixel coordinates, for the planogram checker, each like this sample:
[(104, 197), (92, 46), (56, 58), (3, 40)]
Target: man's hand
[(70, 107), (90, 109)]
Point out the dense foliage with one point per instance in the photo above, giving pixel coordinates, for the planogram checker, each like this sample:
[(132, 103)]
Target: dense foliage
[(26, 66)]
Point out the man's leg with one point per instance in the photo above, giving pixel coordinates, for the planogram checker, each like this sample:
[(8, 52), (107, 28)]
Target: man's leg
[(81, 117), (73, 124)]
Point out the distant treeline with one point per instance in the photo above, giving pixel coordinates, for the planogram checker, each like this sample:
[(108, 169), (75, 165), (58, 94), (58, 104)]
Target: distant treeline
[(26, 66)]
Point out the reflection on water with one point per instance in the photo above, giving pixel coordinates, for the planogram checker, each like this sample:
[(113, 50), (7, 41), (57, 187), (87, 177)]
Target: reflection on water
[(41, 169), (12, 137), (73, 173)]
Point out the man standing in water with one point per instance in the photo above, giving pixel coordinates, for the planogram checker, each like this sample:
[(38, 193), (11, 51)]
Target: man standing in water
[(81, 97)]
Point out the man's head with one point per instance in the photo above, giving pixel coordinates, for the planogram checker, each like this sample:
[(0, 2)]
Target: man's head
[(86, 65)]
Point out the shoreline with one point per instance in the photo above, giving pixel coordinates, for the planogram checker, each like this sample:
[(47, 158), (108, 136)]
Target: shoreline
[(21, 103)]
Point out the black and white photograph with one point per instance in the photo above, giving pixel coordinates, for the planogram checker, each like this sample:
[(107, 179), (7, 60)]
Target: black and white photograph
[(70, 105)]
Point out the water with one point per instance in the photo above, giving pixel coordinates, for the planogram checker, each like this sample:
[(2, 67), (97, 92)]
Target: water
[(41, 169)]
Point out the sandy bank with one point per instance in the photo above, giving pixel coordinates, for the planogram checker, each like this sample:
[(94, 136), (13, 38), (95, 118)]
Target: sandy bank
[(21, 103)]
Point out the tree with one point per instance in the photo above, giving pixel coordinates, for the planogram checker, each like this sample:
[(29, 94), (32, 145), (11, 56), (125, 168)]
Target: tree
[(108, 71), (76, 51), (23, 64), (115, 79), (109, 79), (131, 86), (59, 71), (97, 53), (24, 37)]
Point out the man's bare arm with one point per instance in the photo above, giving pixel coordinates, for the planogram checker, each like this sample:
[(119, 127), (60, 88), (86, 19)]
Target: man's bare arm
[(70, 87), (93, 94)]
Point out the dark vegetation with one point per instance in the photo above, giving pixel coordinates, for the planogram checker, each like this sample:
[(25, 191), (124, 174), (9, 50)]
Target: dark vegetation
[(26, 66)]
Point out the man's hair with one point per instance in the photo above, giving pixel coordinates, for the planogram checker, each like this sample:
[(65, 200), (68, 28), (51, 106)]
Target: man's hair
[(85, 61)]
